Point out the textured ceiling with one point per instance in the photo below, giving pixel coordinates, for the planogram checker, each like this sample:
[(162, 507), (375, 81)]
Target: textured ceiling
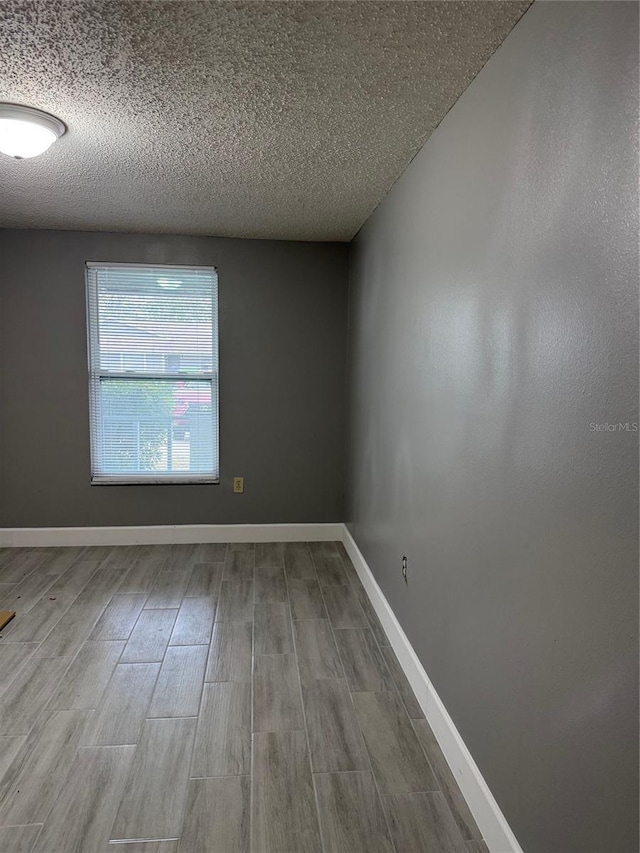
[(248, 119)]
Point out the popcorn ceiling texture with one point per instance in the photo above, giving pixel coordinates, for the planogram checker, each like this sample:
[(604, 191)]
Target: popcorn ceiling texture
[(285, 120)]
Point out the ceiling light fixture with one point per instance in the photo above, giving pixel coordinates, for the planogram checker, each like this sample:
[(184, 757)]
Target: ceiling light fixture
[(26, 132)]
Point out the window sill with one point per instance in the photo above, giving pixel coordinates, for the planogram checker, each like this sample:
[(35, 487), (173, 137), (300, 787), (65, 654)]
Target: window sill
[(154, 481)]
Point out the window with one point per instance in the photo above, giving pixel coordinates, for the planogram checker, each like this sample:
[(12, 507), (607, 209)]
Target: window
[(153, 373)]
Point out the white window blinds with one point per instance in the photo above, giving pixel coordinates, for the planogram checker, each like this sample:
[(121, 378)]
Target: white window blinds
[(153, 373)]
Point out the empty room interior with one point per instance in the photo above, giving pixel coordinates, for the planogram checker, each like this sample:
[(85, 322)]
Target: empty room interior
[(319, 426)]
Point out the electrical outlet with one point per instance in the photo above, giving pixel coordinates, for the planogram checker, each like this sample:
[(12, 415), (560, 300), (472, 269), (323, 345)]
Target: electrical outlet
[(238, 485), (404, 568)]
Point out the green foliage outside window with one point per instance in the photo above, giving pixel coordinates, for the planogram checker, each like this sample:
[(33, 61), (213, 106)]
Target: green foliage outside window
[(137, 415)]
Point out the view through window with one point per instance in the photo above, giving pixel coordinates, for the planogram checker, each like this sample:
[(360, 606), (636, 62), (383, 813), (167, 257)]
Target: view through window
[(153, 373)]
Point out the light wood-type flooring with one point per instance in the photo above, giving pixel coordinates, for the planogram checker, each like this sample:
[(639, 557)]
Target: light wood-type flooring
[(210, 699)]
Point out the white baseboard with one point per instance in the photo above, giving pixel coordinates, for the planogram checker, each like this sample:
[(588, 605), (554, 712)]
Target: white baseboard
[(493, 825), (33, 537)]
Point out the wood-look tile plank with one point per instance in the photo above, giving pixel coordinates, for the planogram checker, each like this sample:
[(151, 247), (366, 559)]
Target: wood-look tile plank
[(364, 665), (76, 578), (119, 618), (103, 586), (25, 594), (371, 615), (123, 707), (151, 552), (223, 739), (159, 551), (96, 552), (276, 694), (5, 555), (168, 590), (447, 782), (205, 580), (351, 816), (31, 784), (179, 686), (239, 566), (217, 816), (27, 695), (476, 847), (330, 571), (398, 761), (334, 736), (194, 622), (306, 599), (298, 564), (21, 563), (154, 796), (423, 822), (343, 607), (180, 557), (402, 684), (121, 557), (284, 810), (86, 679), (13, 656), (241, 546), (316, 649), (141, 576), (294, 546), (9, 747), (269, 554), (230, 652), (272, 629), (61, 558), (19, 839), (9, 553), (347, 564), (211, 552), (37, 623), (72, 630), (84, 810), (150, 637), (78, 622), (270, 586), (323, 549), (236, 602)]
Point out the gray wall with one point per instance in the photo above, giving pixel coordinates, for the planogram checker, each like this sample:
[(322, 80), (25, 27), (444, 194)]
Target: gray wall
[(494, 318), (282, 356)]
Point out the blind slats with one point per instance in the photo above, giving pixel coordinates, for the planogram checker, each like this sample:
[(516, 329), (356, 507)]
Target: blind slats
[(153, 373)]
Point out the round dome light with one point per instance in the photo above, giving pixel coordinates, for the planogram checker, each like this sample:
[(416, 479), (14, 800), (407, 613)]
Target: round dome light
[(26, 132)]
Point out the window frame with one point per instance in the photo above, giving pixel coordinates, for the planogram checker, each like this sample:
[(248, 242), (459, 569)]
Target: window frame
[(96, 373)]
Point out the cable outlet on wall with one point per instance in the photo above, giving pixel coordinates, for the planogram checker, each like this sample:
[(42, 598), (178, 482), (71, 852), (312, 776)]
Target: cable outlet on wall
[(238, 485), (404, 568)]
